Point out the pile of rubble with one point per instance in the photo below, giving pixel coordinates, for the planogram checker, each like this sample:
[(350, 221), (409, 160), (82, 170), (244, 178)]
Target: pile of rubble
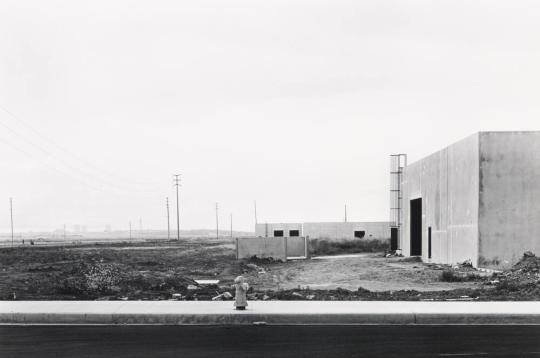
[(525, 272)]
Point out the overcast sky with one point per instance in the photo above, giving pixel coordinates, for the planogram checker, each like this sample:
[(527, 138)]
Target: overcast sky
[(297, 104)]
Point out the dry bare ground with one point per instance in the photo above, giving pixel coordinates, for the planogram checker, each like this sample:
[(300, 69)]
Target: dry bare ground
[(161, 270)]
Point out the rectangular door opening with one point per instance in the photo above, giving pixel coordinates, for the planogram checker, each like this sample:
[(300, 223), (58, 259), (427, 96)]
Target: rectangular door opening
[(393, 238), (416, 227), (429, 242)]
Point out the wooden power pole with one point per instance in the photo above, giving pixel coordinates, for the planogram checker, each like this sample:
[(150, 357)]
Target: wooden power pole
[(168, 221), (177, 184), (217, 222)]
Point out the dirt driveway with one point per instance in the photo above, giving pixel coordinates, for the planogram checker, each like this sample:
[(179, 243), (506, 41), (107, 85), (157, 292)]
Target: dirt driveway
[(370, 271)]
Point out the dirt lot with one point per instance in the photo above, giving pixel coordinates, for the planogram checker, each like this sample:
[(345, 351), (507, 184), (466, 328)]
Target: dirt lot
[(370, 271), (167, 269)]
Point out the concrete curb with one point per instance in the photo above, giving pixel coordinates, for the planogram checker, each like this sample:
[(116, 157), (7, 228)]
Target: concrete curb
[(268, 312)]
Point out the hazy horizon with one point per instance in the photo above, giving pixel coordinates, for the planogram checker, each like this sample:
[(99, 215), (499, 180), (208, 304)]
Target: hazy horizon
[(295, 104)]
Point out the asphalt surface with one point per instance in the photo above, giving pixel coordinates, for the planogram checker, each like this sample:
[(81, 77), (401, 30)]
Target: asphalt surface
[(270, 341)]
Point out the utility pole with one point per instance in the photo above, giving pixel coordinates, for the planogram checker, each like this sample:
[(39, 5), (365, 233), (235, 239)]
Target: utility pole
[(130, 231), (168, 221), (345, 212), (177, 184), (11, 214), (217, 222), (231, 227), (255, 206)]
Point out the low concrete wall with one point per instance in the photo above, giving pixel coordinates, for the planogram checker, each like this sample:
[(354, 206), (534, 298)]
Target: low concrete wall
[(262, 247), (296, 246), (278, 248)]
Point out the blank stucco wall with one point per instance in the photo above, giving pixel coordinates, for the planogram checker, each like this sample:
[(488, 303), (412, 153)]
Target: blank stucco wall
[(448, 183), (296, 246), (509, 197), (261, 247), (345, 230)]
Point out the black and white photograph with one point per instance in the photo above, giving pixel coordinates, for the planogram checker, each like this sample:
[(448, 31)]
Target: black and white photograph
[(255, 178)]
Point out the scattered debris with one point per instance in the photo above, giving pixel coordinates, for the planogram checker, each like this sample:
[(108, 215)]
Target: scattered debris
[(224, 296), (207, 282), (263, 260), (395, 253)]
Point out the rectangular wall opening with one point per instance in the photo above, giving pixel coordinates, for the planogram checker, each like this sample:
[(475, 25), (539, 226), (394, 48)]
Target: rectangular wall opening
[(416, 227), (278, 233), (359, 234), (294, 233), (429, 242), (393, 238)]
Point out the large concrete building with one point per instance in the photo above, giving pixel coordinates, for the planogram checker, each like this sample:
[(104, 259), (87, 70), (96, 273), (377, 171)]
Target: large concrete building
[(326, 230), (477, 200)]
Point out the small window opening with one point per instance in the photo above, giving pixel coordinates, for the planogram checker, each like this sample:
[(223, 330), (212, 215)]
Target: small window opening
[(293, 233), (359, 234), (278, 233)]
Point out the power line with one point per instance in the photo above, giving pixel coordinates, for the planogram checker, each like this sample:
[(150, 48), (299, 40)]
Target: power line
[(217, 222), (93, 171), (168, 221), (177, 184), (255, 206), (11, 215)]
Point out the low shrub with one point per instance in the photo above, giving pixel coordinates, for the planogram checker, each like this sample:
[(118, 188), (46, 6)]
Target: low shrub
[(456, 276), (330, 247), (97, 278)]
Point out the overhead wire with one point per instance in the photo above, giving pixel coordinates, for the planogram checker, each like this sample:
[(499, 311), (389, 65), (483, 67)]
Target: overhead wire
[(85, 172)]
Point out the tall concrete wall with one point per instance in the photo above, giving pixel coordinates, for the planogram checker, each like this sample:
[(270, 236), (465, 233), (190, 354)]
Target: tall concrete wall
[(509, 197), (261, 247), (267, 229), (448, 183), (345, 230)]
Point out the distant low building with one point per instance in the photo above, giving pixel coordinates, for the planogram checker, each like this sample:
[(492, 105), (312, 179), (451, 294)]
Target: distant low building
[(326, 230)]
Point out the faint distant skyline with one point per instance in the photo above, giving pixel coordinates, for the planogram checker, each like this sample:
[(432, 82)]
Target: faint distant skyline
[(295, 104)]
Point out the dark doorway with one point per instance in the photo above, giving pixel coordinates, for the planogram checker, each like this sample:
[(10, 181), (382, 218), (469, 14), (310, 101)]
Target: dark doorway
[(359, 234), (393, 238), (416, 227), (429, 242), (278, 233), (294, 233)]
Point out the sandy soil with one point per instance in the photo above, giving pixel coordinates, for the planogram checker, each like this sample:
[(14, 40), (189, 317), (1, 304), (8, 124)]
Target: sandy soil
[(370, 271)]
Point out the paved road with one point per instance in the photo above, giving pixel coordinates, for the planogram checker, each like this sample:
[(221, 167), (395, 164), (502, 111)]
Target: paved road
[(269, 341)]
